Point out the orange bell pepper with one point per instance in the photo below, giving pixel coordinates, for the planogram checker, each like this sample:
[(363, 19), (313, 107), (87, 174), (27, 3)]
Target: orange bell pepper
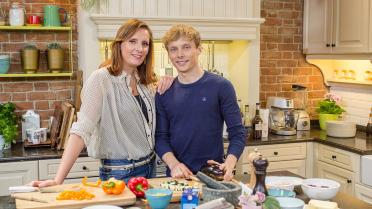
[(85, 182), (113, 186)]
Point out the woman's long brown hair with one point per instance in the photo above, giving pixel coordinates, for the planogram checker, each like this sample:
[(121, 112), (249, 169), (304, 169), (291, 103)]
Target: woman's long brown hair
[(115, 64)]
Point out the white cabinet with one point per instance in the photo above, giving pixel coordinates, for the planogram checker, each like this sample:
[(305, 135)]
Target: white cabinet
[(336, 26), (17, 174), (339, 165), (84, 166), (281, 157), (364, 193)]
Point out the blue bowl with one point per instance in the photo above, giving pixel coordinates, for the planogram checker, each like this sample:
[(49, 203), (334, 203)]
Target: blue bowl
[(4, 64), (158, 198), (281, 193), (290, 203)]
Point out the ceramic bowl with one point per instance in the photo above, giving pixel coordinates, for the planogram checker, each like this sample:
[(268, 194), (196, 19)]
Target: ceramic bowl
[(290, 203), (281, 193), (320, 189), (158, 198), (4, 64), (282, 182), (341, 128)]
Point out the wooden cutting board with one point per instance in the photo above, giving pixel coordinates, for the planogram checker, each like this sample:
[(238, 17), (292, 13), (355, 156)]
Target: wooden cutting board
[(176, 197), (125, 198)]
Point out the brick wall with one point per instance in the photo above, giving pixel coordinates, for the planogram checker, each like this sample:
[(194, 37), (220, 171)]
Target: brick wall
[(282, 61), (43, 93)]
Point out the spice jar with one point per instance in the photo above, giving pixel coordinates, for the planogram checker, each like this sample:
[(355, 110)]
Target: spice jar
[(16, 14)]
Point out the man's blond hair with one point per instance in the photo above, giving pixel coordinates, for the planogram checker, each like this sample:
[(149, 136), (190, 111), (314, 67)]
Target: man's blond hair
[(181, 30)]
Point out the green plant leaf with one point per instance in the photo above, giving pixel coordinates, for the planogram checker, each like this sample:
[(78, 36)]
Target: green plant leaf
[(8, 122), (271, 203)]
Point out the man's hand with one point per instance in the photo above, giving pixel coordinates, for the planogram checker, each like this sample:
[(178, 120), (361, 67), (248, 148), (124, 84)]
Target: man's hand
[(180, 171), (164, 83), (228, 166)]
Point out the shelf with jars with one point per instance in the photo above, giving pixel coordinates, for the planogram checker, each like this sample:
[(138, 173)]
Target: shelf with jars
[(30, 54)]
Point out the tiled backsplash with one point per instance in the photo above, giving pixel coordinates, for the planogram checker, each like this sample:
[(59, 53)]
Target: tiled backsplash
[(357, 101)]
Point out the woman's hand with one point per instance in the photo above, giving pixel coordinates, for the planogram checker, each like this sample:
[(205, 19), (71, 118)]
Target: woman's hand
[(45, 183), (164, 83)]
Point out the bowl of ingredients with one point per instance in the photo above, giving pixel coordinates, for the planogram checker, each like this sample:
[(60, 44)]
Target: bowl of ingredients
[(320, 189), (282, 182), (290, 203), (158, 198)]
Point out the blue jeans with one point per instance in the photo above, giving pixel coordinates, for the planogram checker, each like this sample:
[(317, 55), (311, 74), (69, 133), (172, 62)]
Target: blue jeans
[(147, 170)]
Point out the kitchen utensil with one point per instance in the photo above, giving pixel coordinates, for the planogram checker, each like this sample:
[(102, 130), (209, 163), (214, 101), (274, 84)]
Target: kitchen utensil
[(210, 182), (283, 116), (16, 189), (341, 128), (320, 189), (290, 203), (158, 198), (51, 16), (29, 198), (231, 194)]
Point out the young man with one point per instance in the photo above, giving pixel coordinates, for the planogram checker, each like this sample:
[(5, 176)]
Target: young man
[(190, 115)]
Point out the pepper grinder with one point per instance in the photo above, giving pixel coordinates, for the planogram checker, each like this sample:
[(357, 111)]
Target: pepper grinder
[(251, 157), (260, 165)]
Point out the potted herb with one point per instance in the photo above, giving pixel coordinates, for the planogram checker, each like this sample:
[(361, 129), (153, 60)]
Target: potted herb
[(30, 59), (8, 125), (55, 57), (329, 109)]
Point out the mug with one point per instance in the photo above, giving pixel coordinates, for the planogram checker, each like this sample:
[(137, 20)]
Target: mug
[(51, 15), (34, 19)]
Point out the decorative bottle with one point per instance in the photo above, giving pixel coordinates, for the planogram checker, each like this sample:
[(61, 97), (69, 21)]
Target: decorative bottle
[(257, 124)]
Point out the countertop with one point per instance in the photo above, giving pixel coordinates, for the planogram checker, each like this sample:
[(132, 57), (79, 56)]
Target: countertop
[(343, 200), (358, 144)]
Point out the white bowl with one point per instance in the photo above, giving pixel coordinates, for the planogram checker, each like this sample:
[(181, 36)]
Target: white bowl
[(341, 128), (290, 203), (282, 182), (320, 189)]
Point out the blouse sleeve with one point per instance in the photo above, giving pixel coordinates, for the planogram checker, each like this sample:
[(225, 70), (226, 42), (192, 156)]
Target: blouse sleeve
[(91, 107)]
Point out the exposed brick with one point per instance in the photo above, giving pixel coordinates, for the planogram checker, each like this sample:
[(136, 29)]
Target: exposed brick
[(42, 105), (61, 85), (271, 5), (273, 21), (288, 30), (270, 71), (4, 37), (19, 97), (16, 37), (37, 36), (32, 96), (41, 86), (5, 97), (315, 79), (287, 63), (63, 95), (45, 114), (24, 105), (54, 104), (303, 71), (270, 55), (18, 87), (287, 71)]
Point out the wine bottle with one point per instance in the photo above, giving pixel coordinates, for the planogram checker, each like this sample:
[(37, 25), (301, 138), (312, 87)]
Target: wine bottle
[(257, 123), (247, 117)]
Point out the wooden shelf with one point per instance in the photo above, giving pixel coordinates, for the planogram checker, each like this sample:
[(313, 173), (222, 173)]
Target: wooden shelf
[(61, 28), (22, 75)]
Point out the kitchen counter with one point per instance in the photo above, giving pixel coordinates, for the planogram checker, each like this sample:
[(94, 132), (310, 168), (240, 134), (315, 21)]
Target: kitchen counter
[(344, 200), (359, 145)]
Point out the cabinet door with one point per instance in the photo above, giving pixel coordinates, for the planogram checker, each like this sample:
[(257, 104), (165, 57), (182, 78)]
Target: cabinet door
[(294, 166), (17, 174), (317, 26), (344, 177), (364, 193), (350, 26)]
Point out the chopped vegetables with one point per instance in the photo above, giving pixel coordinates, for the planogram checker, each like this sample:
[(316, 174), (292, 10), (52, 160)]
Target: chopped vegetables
[(113, 186), (85, 182), (138, 185), (175, 185), (75, 195)]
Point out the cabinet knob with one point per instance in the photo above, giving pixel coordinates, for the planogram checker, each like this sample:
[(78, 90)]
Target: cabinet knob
[(85, 168), (275, 153), (328, 45), (348, 181), (333, 45), (334, 157)]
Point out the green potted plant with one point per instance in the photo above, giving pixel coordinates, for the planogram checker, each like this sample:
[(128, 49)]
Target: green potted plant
[(55, 57), (329, 109), (8, 125)]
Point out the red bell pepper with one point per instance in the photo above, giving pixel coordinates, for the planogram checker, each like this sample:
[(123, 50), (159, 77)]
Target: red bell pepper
[(138, 185)]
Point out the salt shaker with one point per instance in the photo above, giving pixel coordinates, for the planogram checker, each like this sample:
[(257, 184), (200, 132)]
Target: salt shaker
[(16, 14)]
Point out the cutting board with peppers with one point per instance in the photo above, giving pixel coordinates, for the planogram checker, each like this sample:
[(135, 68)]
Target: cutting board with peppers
[(176, 197), (123, 199)]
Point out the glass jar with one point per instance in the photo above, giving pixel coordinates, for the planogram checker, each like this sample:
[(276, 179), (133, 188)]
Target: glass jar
[(16, 14)]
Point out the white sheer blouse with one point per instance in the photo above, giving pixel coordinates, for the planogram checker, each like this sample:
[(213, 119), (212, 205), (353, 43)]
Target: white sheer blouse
[(111, 121)]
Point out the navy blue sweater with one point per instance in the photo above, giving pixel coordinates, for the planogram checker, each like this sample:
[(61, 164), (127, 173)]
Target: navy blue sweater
[(189, 121)]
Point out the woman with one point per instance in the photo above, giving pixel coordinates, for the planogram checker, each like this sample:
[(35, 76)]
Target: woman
[(116, 121)]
